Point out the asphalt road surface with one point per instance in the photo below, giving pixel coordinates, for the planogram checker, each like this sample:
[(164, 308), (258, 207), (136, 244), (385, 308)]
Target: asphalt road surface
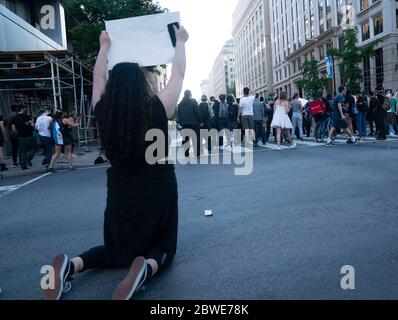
[(283, 232)]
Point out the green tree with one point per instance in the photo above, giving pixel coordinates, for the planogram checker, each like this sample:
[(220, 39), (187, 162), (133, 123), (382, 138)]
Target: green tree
[(351, 57), (85, 21), (311, 82)]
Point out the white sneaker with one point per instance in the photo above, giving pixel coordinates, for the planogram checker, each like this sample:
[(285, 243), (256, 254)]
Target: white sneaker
[(279, 148), (294, 145), (392, 134)]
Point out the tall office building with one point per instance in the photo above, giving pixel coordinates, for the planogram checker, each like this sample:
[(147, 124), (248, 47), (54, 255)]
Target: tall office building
[(222, 76), (305, 29), (252, 42), (378, 20)]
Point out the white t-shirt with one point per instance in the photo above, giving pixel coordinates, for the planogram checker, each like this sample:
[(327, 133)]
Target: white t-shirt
[(43, 124), (246, 104)]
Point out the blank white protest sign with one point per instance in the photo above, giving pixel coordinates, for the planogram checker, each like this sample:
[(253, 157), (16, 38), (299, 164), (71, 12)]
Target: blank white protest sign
[(144, 40)]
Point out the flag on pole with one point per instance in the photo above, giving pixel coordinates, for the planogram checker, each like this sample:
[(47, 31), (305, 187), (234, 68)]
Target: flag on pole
[(329, 67)]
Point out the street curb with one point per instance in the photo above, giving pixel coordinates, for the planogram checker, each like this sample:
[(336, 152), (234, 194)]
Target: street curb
[(40, 171)]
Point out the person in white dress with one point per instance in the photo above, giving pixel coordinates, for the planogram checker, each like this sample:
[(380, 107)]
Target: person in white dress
[(281, 120)]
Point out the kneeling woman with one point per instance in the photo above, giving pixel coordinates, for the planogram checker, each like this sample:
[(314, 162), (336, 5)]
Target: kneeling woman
[(141, 215)]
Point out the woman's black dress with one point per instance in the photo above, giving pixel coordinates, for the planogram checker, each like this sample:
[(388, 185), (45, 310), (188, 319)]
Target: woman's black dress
[(141, 215)]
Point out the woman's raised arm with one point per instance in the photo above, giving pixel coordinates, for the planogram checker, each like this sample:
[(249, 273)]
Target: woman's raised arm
[(171, 93), (101, 68)]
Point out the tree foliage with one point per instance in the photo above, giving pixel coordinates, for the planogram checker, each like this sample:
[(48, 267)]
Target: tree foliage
[(85, 21), (311, 82), (351, 57)]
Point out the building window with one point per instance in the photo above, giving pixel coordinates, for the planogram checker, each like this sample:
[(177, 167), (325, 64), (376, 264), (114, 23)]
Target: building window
[(366, 74), (378, 24), (364, 4), (379, 68), (365, 31), (321, 52), (396, 16)]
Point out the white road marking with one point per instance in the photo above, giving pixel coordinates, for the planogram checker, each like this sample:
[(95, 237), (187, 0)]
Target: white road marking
[(9, 189)]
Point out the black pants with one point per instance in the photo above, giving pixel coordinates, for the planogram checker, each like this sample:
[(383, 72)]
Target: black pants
[(307, 125), (14, 150), (195, 140), (381, 123), (96, 258), (371, 117), (28, 147), (268, 129), (260, 131), (207, 126)]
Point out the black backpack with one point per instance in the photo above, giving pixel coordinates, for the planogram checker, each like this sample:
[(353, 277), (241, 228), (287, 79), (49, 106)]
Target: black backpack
[(362, 104), (374, 103)]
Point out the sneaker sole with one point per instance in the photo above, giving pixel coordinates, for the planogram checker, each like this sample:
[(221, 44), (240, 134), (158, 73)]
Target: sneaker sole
[(127, 287), (60, 263)]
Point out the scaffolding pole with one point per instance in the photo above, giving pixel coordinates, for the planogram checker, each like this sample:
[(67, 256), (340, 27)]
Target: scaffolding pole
[(53, 83), (59, 84), (74, 85)]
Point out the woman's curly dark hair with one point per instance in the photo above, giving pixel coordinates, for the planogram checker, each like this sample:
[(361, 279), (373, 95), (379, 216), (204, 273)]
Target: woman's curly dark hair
[(123, 113)]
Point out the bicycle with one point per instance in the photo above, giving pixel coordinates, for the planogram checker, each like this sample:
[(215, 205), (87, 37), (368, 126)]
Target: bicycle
[(322, 128)]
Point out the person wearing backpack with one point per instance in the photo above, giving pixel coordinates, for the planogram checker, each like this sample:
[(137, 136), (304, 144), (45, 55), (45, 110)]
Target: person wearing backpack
[(363, 107), (371, 115), (207, 115), (378, 101), (43, 124)]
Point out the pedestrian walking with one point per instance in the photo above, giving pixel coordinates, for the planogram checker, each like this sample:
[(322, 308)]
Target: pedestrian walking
[(281, 121), (363, 107), (259, 118), (189, 118), (339, 118), (22, 127), (12, 136), (3, 166), (141, 215), (207, 115), (297, 117), (233, 109), (246, 111), (223, 120), (371, 115), (43, 124), (62, 135)]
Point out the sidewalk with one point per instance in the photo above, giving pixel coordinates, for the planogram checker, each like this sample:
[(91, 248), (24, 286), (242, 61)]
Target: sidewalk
[(83, 158)]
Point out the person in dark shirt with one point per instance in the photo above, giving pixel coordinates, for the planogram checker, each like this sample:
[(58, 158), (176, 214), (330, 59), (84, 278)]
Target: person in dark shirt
[(2, 139), (141, 214), (23, 126), (189, 118), (339, 118), (207, 115), (11, 135), (381, 117)]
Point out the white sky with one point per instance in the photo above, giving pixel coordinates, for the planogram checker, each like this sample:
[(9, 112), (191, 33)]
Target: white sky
[(209, 24)]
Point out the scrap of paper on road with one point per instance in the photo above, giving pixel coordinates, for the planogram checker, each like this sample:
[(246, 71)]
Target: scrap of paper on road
[(144, 40)]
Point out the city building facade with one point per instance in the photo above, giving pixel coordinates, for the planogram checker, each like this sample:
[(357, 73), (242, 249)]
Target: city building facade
[(252, 44), (305, 29), (205, 88), (222, 76)]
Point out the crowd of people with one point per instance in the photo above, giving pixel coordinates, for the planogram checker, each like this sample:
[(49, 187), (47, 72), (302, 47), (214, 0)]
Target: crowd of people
[(286, 118), (53, 133)]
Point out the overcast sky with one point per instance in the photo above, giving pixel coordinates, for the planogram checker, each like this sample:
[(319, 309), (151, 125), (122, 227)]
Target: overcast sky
[(209, 23)]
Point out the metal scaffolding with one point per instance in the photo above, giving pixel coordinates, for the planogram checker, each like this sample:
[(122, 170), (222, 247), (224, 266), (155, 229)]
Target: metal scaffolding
[(50, 79)]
